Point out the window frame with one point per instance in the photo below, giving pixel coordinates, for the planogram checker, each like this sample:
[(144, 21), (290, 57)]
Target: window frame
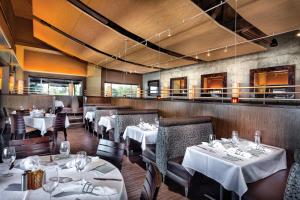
[(158, 88), (184, 90)]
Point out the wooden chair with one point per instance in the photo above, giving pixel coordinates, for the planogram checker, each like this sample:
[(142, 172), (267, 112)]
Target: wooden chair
[(32, 146), (111, 151), (59, 125), (152, 183), (18, 127)]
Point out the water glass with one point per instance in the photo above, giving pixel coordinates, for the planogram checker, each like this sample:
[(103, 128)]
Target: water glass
[(64, 148), (141, 120), (235, 138), (50, 180), (8, 157), (211, 139), (156, 122), (257, 138), (80, 163)]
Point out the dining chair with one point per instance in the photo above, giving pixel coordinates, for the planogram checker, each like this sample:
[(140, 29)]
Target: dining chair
[(18, 127), (152, 183), (292, 190), (24, 112), (33, 146), (111, 151), (59, 126)]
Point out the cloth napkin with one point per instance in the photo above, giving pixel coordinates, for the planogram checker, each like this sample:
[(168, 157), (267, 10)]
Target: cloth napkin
[(240, 154), (92, 164), (216, 145), (147, 126), (30, 163), (49, 115)]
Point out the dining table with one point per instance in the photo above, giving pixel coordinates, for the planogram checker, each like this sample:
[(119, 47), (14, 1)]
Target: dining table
[(43, 123), (234, 166), (108, 122), (105, 178), (90, 116), (143, 135)]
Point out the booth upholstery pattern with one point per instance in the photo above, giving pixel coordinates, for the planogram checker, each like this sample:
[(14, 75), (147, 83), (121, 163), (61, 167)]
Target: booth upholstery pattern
[(101, 113), (292, 190), (132, 118), (172, 140)]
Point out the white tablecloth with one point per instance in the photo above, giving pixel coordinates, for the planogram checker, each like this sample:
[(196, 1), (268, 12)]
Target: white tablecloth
[(42, 123), (58, 103), (10, 186), (233, 175), (142, 136), (108, 122), (90, 116)]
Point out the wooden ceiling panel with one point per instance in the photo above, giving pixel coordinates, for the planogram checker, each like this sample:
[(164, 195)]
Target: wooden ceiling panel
[(22, 8), (270, 16), (64, 44), (121, 66)]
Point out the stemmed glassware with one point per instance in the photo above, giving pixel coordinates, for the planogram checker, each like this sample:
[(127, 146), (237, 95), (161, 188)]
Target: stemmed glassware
[(235, 138), (50, 180), (8, 157), (156, 122), (211, 139), (80, 163), (64, 148), (257, 139)]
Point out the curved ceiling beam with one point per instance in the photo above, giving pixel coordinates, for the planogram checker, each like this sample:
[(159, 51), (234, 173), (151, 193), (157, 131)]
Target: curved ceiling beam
[(89, 46), (102, 19)]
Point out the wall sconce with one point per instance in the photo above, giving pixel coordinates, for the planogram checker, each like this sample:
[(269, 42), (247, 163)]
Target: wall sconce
[(20, 87), (235, 90), (11, 83), (158, 97), (235, 100)]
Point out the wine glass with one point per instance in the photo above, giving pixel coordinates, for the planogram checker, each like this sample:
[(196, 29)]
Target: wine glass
[(212, 138), (50, 180), (80, 163), (8, 157), (156, 122), (257, 138), (235, 138), (64, 148)]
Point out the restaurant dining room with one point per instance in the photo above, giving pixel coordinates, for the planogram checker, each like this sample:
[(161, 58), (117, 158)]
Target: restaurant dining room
[(150, 99)]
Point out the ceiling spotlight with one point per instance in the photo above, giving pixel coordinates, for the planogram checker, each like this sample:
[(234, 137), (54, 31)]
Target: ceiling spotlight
[(274, 43), (208, 53), (169, 33), (196, 56), (298, 34), (225, 50)]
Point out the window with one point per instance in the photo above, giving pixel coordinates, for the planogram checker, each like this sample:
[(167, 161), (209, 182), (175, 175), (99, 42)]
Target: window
[(212, 84), (178, 86), (153, 88), (120, 90), (54, 86)]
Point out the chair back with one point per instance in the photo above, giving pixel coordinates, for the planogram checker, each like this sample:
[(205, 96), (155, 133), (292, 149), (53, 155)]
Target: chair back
[(151, 184), (60, 121), (18, 125), (175, 135), (25, 112), (6, 112), (101, 113), (292, 190), (32, 146), (111, 151)]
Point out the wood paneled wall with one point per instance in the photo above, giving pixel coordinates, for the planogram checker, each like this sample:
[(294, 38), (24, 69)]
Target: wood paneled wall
[(98, 100), (280, 125)]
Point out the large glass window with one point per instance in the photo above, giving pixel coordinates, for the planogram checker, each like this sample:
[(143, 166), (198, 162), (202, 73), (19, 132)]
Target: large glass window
[(54, 86), (120, 90), (153, 88)]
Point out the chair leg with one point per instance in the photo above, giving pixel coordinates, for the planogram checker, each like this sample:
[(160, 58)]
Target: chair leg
[(127, 144), (65, 134)]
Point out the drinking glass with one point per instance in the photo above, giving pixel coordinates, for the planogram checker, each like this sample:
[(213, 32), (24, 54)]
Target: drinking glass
[(141, 120), (50, 180), (257, 138), (212, 138), (156, 122), (235, 138), (8, 157), (64, 148), (80, 163)]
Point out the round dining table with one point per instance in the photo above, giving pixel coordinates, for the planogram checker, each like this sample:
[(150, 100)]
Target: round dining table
[(105, 177)]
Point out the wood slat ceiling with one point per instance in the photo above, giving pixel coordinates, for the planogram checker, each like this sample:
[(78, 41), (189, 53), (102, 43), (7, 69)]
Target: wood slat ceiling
[(151, 17), (270, 16), (83, 27)]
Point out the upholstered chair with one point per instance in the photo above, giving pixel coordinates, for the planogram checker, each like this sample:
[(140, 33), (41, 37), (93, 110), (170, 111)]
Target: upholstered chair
[(174, 136), (292, 190)]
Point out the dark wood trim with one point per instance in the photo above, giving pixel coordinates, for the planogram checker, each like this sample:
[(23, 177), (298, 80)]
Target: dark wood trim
[(148, 90), (185, 84), (223, 74), (107, 22), (89, 46), (121, 83)]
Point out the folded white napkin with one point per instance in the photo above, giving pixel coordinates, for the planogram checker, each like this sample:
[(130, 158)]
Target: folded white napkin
[(30, 163), (216, 145), (92, 163), (239, 154), (147, 126), (113, 116), (49, 115)]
